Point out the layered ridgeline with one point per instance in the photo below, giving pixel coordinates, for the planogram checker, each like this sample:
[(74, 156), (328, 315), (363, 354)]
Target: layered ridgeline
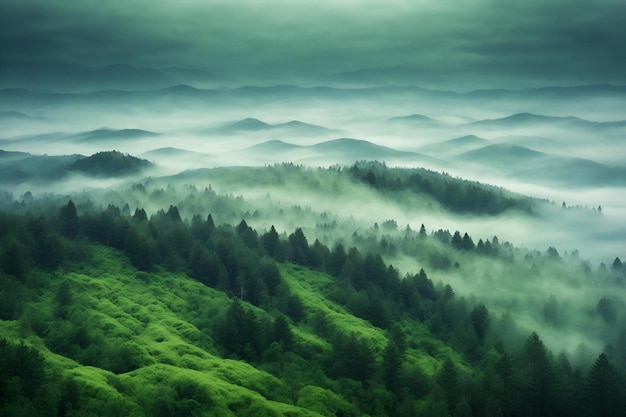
[(137, 301), (23, 167)]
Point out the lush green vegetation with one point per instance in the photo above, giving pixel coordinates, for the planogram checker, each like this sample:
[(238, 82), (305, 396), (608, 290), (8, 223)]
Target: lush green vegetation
[(452, 193), (108, 312)]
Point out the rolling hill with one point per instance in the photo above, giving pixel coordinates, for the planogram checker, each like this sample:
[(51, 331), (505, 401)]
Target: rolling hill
[(414, 119), (530, 120), (455, 146), (20, 167), (541, 168), (104, 135), (250, 124), (336, 151), (110, 164)]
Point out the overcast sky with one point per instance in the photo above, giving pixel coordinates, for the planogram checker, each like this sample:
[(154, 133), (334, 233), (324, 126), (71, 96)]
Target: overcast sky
[(434, 43)]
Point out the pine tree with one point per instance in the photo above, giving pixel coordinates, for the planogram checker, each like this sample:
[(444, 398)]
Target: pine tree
[(448, 380), (480, 320), (603, 389), (68, 218)]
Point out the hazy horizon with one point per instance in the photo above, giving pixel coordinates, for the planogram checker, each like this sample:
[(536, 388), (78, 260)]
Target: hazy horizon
[(528, 96)]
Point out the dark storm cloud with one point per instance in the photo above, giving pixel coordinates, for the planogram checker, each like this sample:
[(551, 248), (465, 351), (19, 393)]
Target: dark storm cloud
[(474, 42)]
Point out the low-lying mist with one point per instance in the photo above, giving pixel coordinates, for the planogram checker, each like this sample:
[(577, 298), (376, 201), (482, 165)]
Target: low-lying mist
[(185, 128)]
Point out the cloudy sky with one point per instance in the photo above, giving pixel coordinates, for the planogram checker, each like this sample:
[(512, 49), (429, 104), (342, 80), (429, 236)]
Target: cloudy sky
[(456, 44)]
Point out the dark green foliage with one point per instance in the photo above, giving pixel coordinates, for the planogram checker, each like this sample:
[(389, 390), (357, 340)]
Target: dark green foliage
[(457, 241), (298, 248), (140, 215), (283, 333), (352, 357), (68, 220), (606, 310), (336, 260), (141, 250), (468, 243), (240, 332), (454, 194), (63, 299), (617, 264), (295, 308), (448, 380), (14, 259), (110, 164), (537, 382), (604, 396), (173, 214), (374, 377), (272, 245), (480, 321), (22, 373), (247, 234), (393, 357)]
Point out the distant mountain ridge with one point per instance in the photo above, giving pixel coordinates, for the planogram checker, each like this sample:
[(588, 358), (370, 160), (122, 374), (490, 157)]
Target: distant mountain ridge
[(255, 125), (20, 167), (112, 134), (519, 162), (414, 118), (523, 119), (341, 150), (455, 146), (16, 97)]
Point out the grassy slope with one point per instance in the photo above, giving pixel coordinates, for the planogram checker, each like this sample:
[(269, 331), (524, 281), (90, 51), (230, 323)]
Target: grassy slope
[(152, 315), (313, 288)]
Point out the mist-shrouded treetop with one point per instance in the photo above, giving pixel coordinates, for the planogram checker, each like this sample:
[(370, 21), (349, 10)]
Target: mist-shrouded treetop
[(451, 43)]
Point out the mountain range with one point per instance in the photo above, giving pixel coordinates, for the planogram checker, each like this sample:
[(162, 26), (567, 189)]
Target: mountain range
[(294, 127)]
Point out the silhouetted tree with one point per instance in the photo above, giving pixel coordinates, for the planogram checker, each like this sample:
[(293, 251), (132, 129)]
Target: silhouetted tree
[(457, 241), (468, 243), (448, 380), (393, 357), (603, 389), (283, 333), (480, 320), (173, 214), (14, 258), (140, 215), (247, 234), (422, 231), (537, 383), (271, 243), (68, 218), (299, 247)]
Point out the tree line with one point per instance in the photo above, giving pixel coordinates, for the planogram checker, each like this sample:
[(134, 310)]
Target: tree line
[(257, 327)]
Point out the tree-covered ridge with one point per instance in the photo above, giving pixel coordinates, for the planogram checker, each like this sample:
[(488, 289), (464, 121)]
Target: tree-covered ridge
[(333, 330), (454, 194), (21, 168), (110, 164), (404, 184)]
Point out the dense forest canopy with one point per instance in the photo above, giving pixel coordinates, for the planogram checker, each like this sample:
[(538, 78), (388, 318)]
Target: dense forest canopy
[(106, 300), (313, 208)]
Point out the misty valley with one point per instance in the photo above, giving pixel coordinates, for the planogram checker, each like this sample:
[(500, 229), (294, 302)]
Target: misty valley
[(318, 251)]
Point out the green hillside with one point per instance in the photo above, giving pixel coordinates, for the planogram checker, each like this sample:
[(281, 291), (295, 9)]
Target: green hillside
[(104, 312)]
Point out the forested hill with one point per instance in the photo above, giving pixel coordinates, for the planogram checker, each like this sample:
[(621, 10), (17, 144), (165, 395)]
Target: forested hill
[(406, 185), (453, 193), (25, 168), (104, 312), (110, 164)]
